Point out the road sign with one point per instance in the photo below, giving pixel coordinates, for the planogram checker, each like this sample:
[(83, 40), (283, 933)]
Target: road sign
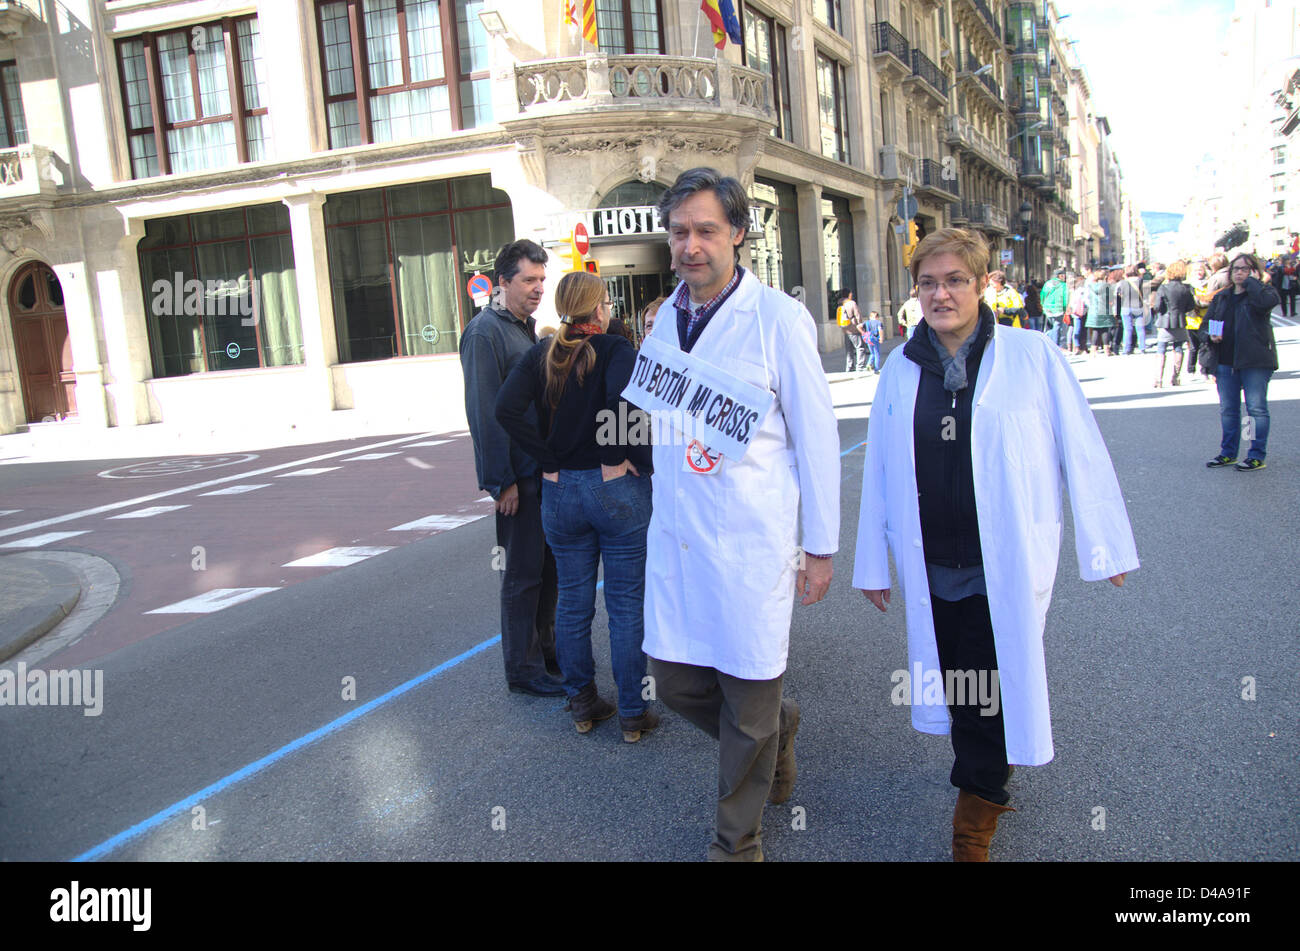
[(1006, 256), (581, 240), (480, 285), (907, 207)]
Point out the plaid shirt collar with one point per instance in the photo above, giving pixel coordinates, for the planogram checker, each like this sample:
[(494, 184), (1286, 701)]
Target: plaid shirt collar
[(696, 313)]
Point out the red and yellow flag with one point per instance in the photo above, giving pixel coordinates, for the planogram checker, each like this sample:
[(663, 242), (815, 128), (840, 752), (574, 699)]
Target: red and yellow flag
[(570, 14), (714, 16), (589, 21)]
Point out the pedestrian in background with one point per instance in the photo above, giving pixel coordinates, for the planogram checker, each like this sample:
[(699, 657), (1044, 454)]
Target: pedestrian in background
[(648, 313), (872, 332), (1240, 323), (1132, 316), (1079, 297), (850, 319), (1003, 299), (1055, 299), (1290, 286), (493, 342), (1174, 302), (562, 404), (909, 315), (1101, 312), (1033, 306), (966, 493)]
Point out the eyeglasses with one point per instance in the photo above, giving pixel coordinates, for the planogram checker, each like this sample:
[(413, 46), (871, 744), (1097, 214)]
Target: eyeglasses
[(1243, 267), (955, 285)]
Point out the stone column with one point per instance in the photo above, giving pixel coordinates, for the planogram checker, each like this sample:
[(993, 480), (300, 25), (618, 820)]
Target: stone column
[(126, 332), (315, 298), (813, 255)]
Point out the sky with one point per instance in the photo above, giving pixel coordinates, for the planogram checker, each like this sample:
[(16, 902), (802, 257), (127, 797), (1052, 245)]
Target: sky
[(1154, 66)]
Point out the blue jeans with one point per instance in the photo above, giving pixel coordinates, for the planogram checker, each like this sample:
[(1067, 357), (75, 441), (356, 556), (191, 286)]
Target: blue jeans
[(586, 521), (874, 362), (1254, 380), (1133, 319), (1054, 328)]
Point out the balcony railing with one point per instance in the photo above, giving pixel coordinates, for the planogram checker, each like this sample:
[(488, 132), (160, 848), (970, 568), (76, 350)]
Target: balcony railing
[(924, 67), (961, 132), (931, 175), (886, 39), (982, 213), (642, 81), (25, 171), (896, 163), (987, 15)]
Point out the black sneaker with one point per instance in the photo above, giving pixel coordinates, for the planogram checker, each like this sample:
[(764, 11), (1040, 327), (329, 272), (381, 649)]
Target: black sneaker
[(1219, 461), (1250, 465)]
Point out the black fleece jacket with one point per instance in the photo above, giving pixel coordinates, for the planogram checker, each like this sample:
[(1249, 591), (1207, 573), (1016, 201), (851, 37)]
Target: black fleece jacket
[(941, 429)]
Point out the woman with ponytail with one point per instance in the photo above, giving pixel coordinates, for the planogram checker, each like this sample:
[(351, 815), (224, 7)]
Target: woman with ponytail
[(561, 404)]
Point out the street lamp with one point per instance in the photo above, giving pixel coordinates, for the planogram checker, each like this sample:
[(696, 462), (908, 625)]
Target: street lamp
[(1026, 215)]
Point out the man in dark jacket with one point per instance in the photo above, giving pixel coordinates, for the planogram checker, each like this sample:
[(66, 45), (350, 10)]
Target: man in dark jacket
[(491, 345)]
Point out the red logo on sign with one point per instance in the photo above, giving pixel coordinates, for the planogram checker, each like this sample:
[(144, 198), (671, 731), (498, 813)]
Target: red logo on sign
[(698, 458), (581, 241)]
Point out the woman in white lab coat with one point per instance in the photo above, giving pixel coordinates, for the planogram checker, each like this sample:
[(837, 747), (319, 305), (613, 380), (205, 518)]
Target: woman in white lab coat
[(963, 483)]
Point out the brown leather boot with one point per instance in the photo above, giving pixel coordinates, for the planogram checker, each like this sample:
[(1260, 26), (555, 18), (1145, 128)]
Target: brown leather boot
[(973, 824), (589, 707)]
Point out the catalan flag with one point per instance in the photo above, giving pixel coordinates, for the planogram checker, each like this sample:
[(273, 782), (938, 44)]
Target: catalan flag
[(589, 21), (570, 13), (722, 18)]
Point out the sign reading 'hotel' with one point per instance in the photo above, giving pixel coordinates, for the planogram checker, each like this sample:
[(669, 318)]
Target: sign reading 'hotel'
[(634, 221)]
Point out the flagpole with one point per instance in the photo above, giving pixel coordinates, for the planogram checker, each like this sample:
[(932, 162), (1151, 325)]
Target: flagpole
[(699, 12)]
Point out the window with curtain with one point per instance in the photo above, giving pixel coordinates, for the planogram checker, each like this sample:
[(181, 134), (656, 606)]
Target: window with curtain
[(414, 83), (401, 259), (832, 107), (13, 128), (194, 99), (220, 291), (765, 50), (629, 26)]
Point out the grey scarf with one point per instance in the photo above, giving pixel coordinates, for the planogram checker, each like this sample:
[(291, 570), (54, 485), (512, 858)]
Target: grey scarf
[(954, 367)]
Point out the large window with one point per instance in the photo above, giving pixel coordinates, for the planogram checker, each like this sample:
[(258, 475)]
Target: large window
[(833, 108), (194, 98), (837, 242), (830, 13), (401, 257), (776, 257), (13, 127), (403, 69), (765, 50), (628, 26), (1024, 86), (220, 291)]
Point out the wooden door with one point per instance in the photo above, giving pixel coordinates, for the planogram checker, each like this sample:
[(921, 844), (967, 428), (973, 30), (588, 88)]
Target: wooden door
[(44, 348)]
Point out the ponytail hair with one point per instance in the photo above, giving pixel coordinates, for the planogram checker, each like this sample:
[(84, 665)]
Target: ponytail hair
[(577, 300)]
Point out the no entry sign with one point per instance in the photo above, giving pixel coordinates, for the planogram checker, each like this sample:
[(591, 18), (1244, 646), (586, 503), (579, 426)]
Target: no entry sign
[(581, 240)]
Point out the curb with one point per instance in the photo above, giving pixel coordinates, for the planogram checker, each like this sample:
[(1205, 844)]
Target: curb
[(52, 592)]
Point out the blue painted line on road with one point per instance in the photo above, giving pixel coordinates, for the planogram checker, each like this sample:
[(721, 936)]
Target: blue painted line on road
[(252, 769)]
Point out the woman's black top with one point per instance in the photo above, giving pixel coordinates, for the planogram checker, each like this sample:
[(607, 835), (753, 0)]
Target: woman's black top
[(592, 425)]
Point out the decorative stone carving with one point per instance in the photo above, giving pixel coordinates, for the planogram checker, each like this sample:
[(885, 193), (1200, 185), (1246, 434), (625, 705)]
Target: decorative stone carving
[(651, 144)]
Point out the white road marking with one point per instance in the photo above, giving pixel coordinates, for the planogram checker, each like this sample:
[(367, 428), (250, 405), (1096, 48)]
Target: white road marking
[(210, 601), (437, 523), (429, 442), (418, 463), (370, 455), (127, 503), (9, 511), (36, 541), (237, 489), (338, 557), (150, 512), (307, 472)]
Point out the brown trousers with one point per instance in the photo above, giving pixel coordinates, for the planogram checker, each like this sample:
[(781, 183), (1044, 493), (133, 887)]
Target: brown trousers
[(744, 717)]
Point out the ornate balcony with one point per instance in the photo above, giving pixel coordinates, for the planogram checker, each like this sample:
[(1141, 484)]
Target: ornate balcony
[(890, 52), (897, 164), (27, 171), (979, 14), (642, 82), (983, 84), (962, 135), (986, 217), (929, 77), (931, 178)]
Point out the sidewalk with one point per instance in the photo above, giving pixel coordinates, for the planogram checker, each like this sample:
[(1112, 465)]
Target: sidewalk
[(35, 595)]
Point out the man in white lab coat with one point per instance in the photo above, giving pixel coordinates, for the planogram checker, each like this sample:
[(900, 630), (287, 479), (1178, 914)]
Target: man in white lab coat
[(723, 560), (972, 427)]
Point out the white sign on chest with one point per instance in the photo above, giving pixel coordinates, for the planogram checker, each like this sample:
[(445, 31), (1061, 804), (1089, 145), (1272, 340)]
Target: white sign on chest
[(697, 399)]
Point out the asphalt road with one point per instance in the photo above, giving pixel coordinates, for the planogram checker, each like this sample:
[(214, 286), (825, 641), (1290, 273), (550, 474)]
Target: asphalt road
[(241, 713)]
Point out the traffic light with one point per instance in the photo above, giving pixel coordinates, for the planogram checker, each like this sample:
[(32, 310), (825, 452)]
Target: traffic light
[(569, 257), (913, 239), (593, 267)]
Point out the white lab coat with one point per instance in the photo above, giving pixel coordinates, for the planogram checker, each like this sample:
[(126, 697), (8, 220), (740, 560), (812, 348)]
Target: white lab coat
[(1030, 423), (721, 551)]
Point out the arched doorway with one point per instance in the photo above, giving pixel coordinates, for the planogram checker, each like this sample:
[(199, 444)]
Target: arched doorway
[(41, 340)]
